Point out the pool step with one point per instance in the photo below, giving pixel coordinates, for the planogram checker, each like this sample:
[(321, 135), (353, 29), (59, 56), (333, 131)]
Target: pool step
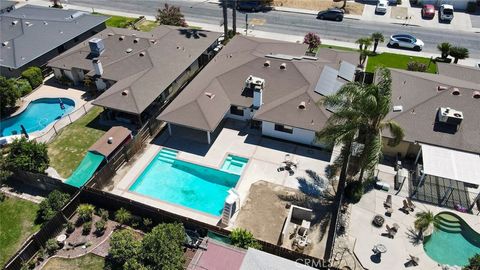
[(166, 160), (448, 229), (237, 163), (448, 223), (167, 155), (169, 151)]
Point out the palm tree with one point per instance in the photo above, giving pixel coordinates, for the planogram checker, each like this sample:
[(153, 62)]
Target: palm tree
[(225, 19), (377, 37), (359, 119), (424, 220), (123, 216), (85, 211), (444, 48), (364, 43), (234, 17), (458, 53)]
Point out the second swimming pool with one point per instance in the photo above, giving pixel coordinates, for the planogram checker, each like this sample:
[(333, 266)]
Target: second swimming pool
[(187, 184)]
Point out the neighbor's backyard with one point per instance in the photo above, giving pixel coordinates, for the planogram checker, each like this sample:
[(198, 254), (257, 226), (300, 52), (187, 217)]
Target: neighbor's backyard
[(85, 262), (17, 223), (399, 61), (67, 150)]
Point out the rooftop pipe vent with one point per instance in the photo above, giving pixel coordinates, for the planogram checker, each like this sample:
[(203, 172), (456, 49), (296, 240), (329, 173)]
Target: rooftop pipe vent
[(302, 106), (455, 92), (5, 43), (110, 34), (266, 64), (129, 50), (121, 38), (14, 22), (136, 40), (28, 24), (476, 95), (209, 95), (441, 88), (45, 22), (110, 140), (124, 92), (283, 66), (142, 54)]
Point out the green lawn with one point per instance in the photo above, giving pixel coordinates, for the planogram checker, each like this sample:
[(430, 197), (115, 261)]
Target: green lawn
[(336, 48), (147, 26), (17, 218), (119, 21), (399, 61), (67, 150), (85, 262)]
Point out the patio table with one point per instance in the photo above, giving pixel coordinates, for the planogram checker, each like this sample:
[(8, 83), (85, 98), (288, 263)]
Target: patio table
[(379, 248)]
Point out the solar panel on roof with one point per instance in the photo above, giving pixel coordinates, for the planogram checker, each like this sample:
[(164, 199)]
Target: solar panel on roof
[(346, 71), (327, 83)]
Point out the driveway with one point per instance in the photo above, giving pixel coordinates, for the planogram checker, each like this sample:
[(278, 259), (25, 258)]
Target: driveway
[(475, 19)]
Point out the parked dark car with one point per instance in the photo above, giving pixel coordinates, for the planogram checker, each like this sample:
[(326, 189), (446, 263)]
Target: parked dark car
[(250, 5), (335, 14)]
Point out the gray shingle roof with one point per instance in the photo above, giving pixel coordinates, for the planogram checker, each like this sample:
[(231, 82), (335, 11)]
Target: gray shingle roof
[(225, 76), (7, 4), (260, 260), (32, 31), (417, 93), (167, 52), (470, 74)]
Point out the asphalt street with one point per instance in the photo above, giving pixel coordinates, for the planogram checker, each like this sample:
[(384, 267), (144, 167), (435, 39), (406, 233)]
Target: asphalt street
[(294, 24)]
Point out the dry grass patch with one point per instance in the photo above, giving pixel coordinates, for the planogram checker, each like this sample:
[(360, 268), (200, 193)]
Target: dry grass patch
[(317, 5)]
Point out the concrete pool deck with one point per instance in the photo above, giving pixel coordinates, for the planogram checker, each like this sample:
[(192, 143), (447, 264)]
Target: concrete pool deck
[(365, 235), (265, 157)]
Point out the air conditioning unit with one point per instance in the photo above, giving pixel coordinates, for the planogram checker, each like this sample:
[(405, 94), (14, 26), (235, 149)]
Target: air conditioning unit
[(449, 116), (232, 202), (254, 82)]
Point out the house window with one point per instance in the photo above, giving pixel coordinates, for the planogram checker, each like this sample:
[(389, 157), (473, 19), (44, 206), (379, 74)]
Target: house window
[(236, 111), (283, 128)]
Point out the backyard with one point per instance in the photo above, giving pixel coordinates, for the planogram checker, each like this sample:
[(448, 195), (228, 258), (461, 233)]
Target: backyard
[(125, 22), (17, 223), (399, 61), (66, 151), (88, 261)]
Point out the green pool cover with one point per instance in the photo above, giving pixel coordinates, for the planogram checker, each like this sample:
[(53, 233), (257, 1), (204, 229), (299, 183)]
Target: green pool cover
[(86, 169)]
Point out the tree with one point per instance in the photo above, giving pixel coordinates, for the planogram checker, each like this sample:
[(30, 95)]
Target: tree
[(474, 263), (458, 53), (34, 76), (359, 120), (27, 156), (244, 239), (52, 245), (234, 17), (171, 15), (23, 87), (85, 211), (377, 37), (423, 220), (364, 43), (162, 247), (354, 191), (312, 40), (124, 246), (416, 66), (8, 95), (225, 19), (123, 216), (444, 48), (49, 207)]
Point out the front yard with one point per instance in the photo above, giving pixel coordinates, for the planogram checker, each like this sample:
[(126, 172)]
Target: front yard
[(17, 223), (399, 61), (67, 150), (85, 262)]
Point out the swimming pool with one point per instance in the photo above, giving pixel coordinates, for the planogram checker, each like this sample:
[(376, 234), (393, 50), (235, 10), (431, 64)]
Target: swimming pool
[(38, 114), (190, 185), (453, 242)]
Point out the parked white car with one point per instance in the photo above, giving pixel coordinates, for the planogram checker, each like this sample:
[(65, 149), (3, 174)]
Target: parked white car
[(381, 7), (446, 12), (477, 65), (406, 41)]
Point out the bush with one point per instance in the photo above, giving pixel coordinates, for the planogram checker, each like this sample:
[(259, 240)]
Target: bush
[(162, 248), (354, 191), (51, 246), (416, 66), (23, 87), (100, 226), (27, 156), (70, 227), (87, 227), (244, 239), (123, 247), (8, 95), (34, 76), (85, 212), (471, 7), (103, 213), (147, 223), (312, 40), (2, 196), (49, 207), (474, 263), (123, 216)]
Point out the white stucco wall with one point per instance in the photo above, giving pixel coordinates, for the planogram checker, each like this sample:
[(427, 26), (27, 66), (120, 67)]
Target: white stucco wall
[(246, 115), (69, 75), (299, 135), (57, 72)]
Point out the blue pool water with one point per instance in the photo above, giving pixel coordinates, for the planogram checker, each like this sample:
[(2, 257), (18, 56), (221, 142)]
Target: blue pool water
[(38, 114), (234, 164), (186, 184), (452, 242)]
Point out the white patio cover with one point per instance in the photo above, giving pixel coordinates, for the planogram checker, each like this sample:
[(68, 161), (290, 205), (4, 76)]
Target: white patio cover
[(451, 164)]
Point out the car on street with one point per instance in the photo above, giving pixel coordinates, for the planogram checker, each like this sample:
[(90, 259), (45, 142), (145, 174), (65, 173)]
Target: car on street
[(381, 7), (446, 13), (253, 6), (335, 14), (428, 11), (406, 41)]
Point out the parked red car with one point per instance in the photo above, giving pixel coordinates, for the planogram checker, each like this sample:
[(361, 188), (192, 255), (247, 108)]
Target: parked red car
[(428, 11)]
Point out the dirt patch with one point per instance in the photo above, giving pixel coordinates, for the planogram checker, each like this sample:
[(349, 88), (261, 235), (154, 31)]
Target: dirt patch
[(317, 5), (399, 13)]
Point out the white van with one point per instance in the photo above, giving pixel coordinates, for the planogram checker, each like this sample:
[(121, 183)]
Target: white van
[(446, 12)]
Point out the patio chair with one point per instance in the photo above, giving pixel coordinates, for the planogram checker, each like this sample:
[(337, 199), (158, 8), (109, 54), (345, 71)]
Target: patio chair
[(412, 261), (406, 208), (388, 202), (391, 231), (410, 204)]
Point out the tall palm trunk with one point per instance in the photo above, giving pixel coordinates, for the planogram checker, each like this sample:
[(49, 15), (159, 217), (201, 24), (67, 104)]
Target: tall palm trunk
[(234, 17), (225, 18), (375, 45)]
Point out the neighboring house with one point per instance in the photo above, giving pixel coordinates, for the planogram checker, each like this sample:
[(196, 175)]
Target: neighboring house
[(32, 35), (271, 84), (137, 72), (7, 6)]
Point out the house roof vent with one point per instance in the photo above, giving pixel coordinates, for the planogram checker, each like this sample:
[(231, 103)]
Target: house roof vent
[(266, 64), (153, 41), (442, 88), (14, 22), (283, 66), (136, 40), (209, 95), (121, 38), (45, 22), (125, 92), (141, 54), (476, 95), (5, 43), (455, 91), (28, 24), (302, 106), (110, 34), (398, 108), (129, 50)]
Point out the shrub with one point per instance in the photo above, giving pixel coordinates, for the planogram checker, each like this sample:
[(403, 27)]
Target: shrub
[(49, 207), (244, 239), (2, 196), (103, 213), (416, 66), (123, 246), (27, 156), (136, 220), (87, 227), (51, 246), (162, 247), (312, 40), (34, 76), (354, 191), (147, 223), (100, 226), (8, 95), (123, 216), (23, 87), (474, 263), (85, 212), (70, 227)]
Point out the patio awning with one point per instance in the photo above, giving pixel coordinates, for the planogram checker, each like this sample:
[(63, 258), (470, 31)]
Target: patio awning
[(451, 164)]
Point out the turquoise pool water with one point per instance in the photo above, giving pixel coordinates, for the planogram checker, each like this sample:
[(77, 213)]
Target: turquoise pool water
[(453, 242), (234, 164), (38, 114), (186, 184)]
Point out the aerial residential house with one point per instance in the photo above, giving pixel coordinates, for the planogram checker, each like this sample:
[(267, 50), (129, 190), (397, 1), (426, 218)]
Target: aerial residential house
[(32, 35), (136, 72), (270, 84), (439, 115)]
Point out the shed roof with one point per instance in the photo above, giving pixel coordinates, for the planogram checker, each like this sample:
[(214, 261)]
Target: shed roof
[(260, 260), (118, 135)]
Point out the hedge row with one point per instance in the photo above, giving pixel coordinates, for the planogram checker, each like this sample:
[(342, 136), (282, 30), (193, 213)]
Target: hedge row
[(34, 76)]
